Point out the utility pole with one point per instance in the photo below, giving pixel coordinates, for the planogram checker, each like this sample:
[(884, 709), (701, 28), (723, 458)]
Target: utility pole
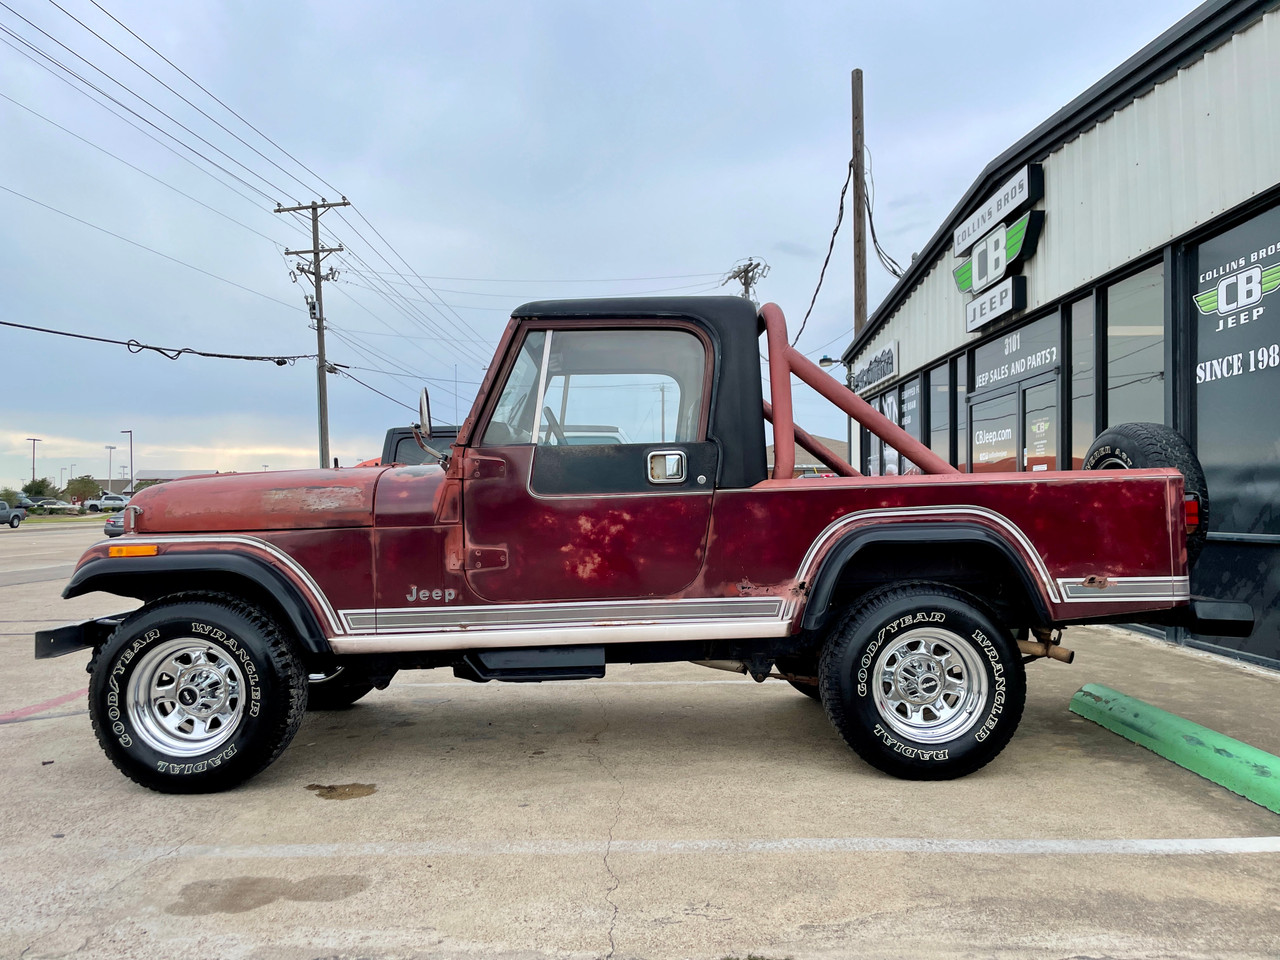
[(34, 441), (131, 477), (859, 211), (318, 253), (748, 273)]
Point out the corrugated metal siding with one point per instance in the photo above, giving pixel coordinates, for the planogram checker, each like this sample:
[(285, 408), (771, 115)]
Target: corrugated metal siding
[(1199, 144)]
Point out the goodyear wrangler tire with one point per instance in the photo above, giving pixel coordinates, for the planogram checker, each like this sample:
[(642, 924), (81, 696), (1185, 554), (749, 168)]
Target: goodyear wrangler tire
[(922, 682), (1136, 446), (196, 694)]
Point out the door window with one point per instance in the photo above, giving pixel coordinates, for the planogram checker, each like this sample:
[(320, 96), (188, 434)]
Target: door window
[(607, 387), (513, 417), (1040, 427), (994, 431)]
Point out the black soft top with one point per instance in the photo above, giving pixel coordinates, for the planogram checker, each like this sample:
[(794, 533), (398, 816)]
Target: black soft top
[(737, 410)]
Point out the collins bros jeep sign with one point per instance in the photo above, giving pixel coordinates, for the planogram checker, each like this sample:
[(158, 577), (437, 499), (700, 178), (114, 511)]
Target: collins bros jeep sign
[(999, 245)]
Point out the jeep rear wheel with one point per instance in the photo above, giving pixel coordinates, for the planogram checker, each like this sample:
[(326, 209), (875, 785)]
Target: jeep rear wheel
[(196, 694), (922, 682)]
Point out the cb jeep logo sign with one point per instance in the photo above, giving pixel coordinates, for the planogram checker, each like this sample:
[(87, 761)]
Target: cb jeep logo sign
[(999, 248), (1239, 291)]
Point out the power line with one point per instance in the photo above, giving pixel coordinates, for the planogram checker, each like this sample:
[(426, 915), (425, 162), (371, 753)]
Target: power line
[(703, 285), (216, 100), (131, 166), (830, 247), (465, 326), (150, 136), (674, 276), (375, 390), (220, 125), (123, 106), (141, 246), (171, 353), (886, 261)]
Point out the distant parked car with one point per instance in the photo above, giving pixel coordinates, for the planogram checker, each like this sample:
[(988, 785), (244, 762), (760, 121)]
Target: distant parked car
[(11, 515), (108, 501), (114, 526)]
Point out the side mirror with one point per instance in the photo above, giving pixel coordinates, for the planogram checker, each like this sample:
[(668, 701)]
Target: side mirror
[(422, 429), (424, 412)]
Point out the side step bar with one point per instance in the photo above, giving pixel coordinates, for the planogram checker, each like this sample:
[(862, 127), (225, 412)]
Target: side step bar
[(532, 664)]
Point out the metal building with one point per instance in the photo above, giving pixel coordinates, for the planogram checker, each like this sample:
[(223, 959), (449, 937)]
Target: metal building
[(1119, 263)]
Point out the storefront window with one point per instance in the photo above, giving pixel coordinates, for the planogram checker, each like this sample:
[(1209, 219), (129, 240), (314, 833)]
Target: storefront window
[(910, 418), (1135, 348), (1023, 353), (875, 448), (940, 411), (889, 456), (962, 414), (1237, 374), (994, 431), (1083, 401)]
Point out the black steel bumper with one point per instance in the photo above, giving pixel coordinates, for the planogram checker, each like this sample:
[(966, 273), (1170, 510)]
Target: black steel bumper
[(75, 636), (1211, 618)]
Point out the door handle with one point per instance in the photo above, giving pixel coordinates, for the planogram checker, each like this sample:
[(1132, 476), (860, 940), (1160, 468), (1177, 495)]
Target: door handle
[(666, 466)]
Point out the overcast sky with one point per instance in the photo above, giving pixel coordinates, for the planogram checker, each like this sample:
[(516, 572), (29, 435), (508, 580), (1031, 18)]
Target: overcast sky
[(506, 151)]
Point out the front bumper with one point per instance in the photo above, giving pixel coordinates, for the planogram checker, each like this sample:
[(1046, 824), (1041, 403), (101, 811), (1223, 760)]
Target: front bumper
[(71, 637)]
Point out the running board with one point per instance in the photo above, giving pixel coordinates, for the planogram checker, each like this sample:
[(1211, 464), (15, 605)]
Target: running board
[(532, 664)]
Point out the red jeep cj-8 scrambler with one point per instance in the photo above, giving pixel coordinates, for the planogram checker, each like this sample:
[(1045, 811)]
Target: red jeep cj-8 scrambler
[(607, 500)]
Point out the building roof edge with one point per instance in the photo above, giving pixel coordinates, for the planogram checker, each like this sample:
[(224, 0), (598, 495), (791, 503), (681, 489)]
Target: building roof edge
[(1208, 26)]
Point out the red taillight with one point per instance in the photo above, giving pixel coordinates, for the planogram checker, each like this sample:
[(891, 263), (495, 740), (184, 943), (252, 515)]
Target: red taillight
[(1191, 504)]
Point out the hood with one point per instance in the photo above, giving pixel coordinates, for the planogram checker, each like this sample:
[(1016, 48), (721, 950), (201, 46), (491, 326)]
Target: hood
[(283, 500)]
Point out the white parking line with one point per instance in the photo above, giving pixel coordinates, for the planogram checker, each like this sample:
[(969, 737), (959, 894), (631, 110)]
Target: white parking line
[(612, 683), (788, 845)]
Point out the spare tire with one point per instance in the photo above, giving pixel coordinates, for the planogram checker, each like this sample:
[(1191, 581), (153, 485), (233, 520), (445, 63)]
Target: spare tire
[(1136, 446)]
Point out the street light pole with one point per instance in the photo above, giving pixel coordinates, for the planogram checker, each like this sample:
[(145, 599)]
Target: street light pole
[(131, 480), (34, 441), (109, 448)]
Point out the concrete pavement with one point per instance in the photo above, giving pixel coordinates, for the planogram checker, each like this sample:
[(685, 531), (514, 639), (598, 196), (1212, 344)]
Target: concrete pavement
[(667, 811)]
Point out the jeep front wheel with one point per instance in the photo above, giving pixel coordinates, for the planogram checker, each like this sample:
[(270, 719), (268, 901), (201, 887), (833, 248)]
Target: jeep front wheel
[(922, 682), (196, 694)]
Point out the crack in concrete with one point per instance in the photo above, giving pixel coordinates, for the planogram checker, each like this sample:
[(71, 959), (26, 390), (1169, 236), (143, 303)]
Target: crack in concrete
[(617, 815), (106, 893)]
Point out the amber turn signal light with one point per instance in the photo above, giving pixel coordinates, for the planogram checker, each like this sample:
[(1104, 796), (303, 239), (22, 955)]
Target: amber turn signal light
[(133, 550)]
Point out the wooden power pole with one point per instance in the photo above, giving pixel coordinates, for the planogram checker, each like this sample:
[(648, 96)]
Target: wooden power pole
[(859, 212), (318, 253)]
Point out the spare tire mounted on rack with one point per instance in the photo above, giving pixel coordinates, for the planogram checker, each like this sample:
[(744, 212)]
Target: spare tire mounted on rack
[(1137, 446)]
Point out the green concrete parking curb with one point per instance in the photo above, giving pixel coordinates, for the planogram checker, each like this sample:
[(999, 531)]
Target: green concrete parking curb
[(1242, 769)]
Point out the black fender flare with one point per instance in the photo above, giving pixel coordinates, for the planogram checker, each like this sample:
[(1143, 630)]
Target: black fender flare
[(149, 578), (849, 546)]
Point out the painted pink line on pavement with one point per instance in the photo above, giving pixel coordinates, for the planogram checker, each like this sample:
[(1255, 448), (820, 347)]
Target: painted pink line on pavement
[(38, 707)]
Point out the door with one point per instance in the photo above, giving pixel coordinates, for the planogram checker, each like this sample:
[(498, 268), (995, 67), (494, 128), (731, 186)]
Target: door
[(592, 477), (1016, 428)]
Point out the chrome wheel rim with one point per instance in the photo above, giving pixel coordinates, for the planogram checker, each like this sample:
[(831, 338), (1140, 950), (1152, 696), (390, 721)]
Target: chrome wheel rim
[(185, 697), (1110, 463), (930, 685)]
